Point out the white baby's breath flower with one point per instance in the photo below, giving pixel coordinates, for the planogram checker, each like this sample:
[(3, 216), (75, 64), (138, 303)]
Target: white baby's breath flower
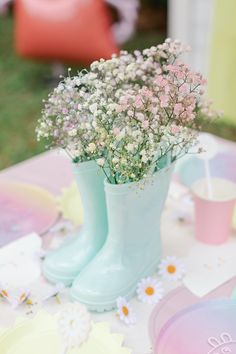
[(115, 160), (124, 105), (145, 124), (72, 132), (144, 158), (101, 162), (93, 108), (123, 161), (129, 147), (92, 147)]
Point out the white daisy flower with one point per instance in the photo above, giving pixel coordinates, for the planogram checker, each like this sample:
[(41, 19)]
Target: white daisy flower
[(23, 297), (54, 292), (15, 299), (125, 312), (150, 291), (74, 324), (172, 268)]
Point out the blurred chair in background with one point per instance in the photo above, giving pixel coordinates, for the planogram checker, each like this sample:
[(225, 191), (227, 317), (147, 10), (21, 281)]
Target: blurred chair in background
[(77, 31), (63, 30)]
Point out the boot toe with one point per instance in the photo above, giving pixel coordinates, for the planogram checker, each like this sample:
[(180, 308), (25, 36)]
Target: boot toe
[(58, 269), (98, 288)]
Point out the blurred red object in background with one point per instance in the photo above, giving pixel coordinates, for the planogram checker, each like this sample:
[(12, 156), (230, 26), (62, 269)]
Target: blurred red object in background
[(63, 30)]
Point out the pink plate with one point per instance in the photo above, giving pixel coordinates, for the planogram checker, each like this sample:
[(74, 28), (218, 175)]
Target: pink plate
[(204, 328), (24, 208), (178, 300)]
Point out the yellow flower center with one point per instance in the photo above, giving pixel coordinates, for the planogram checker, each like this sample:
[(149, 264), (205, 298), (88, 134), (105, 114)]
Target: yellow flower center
[(149, 291), (23, 297), (5, 293), (171, 269), (125, 310)]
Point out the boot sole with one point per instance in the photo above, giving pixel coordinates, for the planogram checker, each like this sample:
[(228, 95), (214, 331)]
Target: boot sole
[(108, 306), (56, 278)]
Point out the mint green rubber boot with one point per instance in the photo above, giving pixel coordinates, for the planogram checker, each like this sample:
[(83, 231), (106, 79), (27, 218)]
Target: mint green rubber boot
[(64, 264), (133, 246)]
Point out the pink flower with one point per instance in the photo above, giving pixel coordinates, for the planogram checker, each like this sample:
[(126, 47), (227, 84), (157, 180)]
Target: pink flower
[(196, 78), (178, 109), (171, 68), (130, 113), (178, 70), (174, 129), (119, 108), (138, 102), (116, 131), (145, 124), (161, 81), (184, 88), (146, 92), (164, 101), (167, 88), (203, 81), (180, 75), (140, 116), (124, 100), (188, 115)]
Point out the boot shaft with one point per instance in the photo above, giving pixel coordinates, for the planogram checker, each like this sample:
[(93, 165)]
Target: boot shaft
[(134, 213), (90, 180)]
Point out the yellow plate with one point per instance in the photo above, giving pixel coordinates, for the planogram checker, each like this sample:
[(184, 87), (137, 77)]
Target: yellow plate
[(25, 208), (70, 204), (40, 336)]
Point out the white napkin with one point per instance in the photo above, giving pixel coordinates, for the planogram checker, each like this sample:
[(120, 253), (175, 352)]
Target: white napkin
[(19, 264), (209, 267)]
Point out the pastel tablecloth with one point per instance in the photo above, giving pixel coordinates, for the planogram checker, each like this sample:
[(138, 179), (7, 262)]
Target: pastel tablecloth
[(52, 171)]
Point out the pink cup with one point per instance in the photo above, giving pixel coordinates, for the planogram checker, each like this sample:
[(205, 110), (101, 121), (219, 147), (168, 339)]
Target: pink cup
[(213, 215)]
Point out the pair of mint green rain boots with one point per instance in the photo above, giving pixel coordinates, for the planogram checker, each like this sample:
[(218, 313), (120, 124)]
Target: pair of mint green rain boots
[(120, 240)]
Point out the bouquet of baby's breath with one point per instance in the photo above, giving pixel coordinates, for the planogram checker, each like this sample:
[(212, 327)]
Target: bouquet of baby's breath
[(65, 122), (133, 114)]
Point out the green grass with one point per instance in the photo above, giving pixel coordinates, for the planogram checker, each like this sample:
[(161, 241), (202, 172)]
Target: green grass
[(21, 94), (22, 90)]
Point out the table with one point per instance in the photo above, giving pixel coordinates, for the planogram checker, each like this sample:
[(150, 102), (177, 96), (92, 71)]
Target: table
[(52, 170)]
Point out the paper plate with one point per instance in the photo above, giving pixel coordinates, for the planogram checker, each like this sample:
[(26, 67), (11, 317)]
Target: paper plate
[(178, 300), (208, 328), (70, 204), (41, 336), (24, 208)]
